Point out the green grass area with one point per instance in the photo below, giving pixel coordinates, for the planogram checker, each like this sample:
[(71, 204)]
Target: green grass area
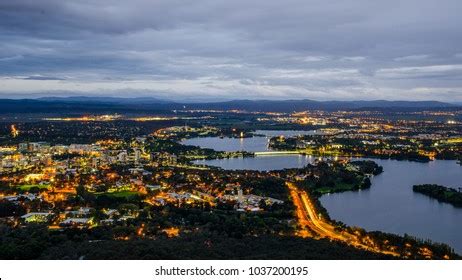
[(125, 194), (339, 187), (27, 187)]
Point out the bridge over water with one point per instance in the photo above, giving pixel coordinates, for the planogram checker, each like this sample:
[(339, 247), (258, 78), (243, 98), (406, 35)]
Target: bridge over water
[(272, 153)]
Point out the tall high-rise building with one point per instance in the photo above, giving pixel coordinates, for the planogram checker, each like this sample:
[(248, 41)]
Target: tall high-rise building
[(122, 157), (240, 196), (137, 155)]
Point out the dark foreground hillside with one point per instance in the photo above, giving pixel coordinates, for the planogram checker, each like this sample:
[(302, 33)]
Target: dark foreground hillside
[(266, 247), (39, 244)]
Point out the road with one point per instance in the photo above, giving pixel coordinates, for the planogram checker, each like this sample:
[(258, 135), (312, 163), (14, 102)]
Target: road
[(272, 153), (310, 221)]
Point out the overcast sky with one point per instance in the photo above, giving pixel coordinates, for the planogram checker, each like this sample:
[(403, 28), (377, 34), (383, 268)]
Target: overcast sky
[(233, 49)]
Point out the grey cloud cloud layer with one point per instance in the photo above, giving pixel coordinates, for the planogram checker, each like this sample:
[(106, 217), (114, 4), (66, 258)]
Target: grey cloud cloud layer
[(350, 49)]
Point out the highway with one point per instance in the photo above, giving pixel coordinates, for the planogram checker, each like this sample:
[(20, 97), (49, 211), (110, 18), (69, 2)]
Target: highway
[(310, 222), (272, 153)]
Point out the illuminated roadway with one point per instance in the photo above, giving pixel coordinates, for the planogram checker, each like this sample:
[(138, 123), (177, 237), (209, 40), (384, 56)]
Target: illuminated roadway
[(309, 219), (272, 153)]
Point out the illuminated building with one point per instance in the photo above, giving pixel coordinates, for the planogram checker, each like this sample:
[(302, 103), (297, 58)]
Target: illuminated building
[(122, 157), (137, 155), (37, 217)]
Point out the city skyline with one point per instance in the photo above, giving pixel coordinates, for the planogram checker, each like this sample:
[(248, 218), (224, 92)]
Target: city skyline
[(220, 50)]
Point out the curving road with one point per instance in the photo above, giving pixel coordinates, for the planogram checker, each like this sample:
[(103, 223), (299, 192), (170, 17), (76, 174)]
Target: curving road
[(309, 219)]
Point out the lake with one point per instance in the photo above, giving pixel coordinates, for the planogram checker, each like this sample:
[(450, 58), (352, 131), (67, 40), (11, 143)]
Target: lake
[(253, 144), (260, 163), (389, 205)]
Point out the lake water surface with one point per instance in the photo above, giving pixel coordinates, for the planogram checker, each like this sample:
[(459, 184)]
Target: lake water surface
[(254, 144), (389, 205)]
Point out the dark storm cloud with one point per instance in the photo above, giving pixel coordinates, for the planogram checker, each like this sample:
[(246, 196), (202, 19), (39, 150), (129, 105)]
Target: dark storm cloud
[(355, 49), (43, 78)]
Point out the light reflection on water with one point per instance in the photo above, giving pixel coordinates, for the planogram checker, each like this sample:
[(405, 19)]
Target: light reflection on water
[(390, 205)]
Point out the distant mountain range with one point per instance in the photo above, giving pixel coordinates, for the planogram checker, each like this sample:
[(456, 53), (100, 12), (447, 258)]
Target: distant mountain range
[(301, 105), (112, 100), (84, 104)]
